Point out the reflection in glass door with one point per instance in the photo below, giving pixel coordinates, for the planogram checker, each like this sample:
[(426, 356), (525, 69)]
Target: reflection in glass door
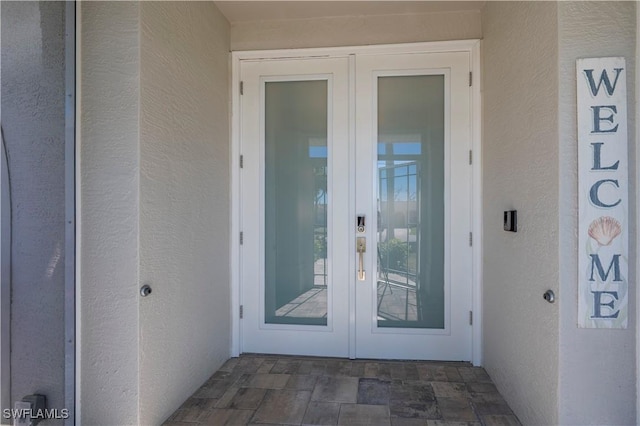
[(296, 202), (410, 235)]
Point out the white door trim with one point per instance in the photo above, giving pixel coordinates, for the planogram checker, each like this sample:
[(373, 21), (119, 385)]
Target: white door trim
[(476, 204), (471, 46), (352, 203)]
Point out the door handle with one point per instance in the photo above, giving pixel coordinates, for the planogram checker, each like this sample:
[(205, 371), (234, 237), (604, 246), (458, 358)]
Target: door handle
[(361, 248)]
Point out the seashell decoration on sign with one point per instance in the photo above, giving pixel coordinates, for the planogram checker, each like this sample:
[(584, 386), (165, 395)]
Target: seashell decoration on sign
[(604, 230)]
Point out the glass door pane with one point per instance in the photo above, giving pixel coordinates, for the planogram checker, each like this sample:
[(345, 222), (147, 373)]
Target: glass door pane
[(411, 215), (296, 197)]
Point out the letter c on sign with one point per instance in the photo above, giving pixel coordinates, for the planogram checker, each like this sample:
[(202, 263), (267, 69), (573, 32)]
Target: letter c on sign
[(593, 193)]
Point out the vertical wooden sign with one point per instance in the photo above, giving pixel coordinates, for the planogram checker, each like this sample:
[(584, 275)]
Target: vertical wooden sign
[(603, 240)]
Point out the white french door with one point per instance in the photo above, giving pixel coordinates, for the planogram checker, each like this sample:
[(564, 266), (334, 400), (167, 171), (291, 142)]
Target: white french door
[(355, 206), (295, 147), (413, 140)]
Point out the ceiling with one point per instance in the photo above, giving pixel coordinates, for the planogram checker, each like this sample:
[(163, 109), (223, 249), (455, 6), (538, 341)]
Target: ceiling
[(258, 10)]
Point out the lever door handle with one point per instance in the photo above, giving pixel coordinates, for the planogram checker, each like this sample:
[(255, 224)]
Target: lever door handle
[(361, 248)]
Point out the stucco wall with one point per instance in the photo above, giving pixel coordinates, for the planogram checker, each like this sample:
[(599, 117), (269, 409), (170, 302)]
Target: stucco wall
[(155, 206), (520, 171), (33, 102), (597, 367), (109, 249), (184, 204), (637, 209), (355, 30)]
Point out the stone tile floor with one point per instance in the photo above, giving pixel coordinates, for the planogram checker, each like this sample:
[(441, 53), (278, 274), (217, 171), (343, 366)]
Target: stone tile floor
[(287, 390)]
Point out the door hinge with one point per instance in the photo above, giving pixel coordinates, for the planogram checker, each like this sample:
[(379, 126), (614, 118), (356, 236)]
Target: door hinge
[(242, 87), (470, 78), (242, 161), (470, 157), (241, 311), (470, 239), (470, 317), (241, 237)]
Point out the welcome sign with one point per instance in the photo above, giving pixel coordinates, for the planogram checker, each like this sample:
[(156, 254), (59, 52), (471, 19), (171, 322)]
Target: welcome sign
[(603, 241)]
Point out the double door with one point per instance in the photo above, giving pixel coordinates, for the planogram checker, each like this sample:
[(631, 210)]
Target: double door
[(355, 206)]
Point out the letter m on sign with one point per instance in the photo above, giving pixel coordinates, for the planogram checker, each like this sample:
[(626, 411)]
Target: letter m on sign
[(596, 266)]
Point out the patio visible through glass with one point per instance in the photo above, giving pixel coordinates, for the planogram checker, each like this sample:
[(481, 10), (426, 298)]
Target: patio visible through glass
[(410, 273), (296, 197)]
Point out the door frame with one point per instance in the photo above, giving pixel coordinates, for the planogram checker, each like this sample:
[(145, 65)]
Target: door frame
[(470, 46)]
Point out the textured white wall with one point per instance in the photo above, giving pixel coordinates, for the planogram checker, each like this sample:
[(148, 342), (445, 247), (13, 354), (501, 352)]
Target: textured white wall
[(110, 170), (33, 121), (184, 201), (155, 206), (597, 367), (520, 171), (355, 30)]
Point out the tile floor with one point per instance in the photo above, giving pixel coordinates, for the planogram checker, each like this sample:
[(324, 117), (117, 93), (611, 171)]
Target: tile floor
[(283, 390)]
